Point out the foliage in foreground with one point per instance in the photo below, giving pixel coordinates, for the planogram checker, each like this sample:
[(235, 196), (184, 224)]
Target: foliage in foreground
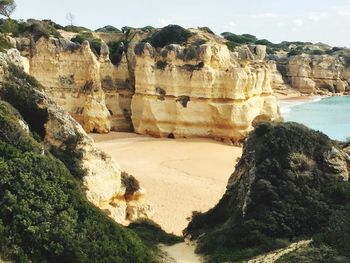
[(44, 217), (313, 254), (285, 193), (152, 234)]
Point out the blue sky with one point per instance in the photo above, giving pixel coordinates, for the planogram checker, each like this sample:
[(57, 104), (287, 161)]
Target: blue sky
[(326, 21)]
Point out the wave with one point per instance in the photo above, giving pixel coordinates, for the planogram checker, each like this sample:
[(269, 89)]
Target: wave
[(287, 105)]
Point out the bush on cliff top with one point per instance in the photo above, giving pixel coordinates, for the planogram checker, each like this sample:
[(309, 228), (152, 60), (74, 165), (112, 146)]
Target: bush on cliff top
[(95, 43), (284, 193), (38, 29), (116, 50), (108, 29), (172, 34)]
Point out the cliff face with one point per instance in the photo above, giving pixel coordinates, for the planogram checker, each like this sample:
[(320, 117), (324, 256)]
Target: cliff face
[(101, 176), (193, 90), (202, 91), (310, 74), (286, 192), (91, 89), (314, 74)]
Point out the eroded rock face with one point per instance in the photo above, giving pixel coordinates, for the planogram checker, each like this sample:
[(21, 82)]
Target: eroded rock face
[(200, 91), (203, 91), (85, 86), (102, 182), (102, 176), (316, 74)]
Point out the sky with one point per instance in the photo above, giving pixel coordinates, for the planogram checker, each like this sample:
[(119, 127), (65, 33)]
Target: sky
[(326, 21)]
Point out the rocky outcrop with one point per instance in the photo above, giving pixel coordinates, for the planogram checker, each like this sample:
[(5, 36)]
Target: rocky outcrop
[(288, 191), (101, 175), (91, 89), (311, 74), (314, 74), (193, 90), (201, 91)]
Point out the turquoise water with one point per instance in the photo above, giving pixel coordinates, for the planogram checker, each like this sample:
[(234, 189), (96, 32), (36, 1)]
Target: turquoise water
[(329, 115)]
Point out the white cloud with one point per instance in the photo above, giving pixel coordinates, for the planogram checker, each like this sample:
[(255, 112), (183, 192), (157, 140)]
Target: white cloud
[(298, 22), (232, 24), (267, 15), (165, 21), (317, 16), (345, 12)]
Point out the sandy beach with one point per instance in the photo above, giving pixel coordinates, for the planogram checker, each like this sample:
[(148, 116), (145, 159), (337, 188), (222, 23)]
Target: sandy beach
[(289, 101), (179, 175)]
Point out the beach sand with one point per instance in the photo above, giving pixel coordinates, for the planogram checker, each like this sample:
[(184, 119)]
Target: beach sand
[(179, 175), (289, 101)]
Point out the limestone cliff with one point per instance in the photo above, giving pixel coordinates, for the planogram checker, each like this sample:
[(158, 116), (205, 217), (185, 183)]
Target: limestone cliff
[(91, 89), (201, 90), (313, 74), (102, 178), (196, 89)]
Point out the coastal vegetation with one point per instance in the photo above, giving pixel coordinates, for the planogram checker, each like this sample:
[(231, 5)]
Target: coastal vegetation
[(45, 216), (282, 195)]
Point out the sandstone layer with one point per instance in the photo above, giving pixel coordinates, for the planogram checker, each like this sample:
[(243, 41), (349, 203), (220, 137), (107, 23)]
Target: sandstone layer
[(313, 74), (201, 91), (198, 89), (94, 91)]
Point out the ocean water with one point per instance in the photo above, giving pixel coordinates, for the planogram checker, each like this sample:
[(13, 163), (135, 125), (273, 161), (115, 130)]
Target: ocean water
[(329, 115)]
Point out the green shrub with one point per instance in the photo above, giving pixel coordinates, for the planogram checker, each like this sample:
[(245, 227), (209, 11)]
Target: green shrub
[(44, 217), (172, 34), (239, 39), (20, 92), (206, 29), (337, 233), (76, 29), (4, 43), (71, 156), (289, 193), (152, 234), (95, 43), (295, 52), (130, 183), (108, 29), (116, 50), (231, 46), (147, 29), (9, 26), (38, 29), (312, 254), (317, 52), (347, 61)]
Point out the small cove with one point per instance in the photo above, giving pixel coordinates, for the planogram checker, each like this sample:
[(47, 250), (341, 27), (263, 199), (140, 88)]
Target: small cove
[(329, 115)]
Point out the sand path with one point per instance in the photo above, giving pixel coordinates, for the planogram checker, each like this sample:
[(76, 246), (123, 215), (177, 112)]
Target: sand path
[(180, 176)]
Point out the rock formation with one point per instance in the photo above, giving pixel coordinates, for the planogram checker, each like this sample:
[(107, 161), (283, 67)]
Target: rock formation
[(313, 74), (198, 89), (201, 91), (94, 92), (102, 177), (286, 186)]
